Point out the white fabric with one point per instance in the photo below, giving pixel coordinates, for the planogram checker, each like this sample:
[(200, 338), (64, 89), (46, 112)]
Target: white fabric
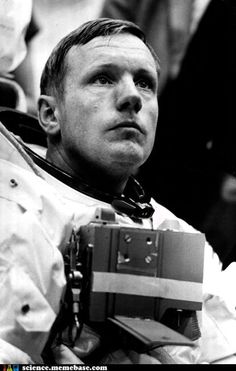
[(35, 226), (31, 267), (9, 352)]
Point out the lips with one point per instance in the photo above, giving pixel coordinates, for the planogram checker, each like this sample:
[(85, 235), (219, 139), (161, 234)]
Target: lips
[(128, 124)]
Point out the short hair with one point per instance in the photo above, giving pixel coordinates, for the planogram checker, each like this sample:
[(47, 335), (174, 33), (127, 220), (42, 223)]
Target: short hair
[(55, 68)]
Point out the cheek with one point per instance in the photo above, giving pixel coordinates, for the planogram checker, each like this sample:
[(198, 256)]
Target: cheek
[(152, 117), (152, 113), (155, 112), (86, 111), (80, 112)]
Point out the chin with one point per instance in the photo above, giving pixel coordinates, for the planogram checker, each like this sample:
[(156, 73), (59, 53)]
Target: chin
[(130, 153), (126, 165)]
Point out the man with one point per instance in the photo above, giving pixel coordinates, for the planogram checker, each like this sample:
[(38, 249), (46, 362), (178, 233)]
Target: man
[(98, 107)]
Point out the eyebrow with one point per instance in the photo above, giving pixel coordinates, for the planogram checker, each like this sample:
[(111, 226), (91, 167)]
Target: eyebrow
[(111, 65)]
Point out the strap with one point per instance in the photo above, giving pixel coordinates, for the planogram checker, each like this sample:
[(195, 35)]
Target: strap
[(120, 283)]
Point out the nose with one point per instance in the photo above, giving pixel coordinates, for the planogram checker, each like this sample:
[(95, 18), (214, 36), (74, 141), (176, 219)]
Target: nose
[(128, 97)]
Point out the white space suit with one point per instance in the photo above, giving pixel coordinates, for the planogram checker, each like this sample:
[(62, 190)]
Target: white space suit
[(37, 214)]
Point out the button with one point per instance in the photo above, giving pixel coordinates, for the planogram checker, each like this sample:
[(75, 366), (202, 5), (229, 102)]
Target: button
[(25, 309), (13, 183)]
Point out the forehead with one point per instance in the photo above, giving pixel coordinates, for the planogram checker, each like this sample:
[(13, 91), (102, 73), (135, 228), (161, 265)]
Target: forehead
[(121, 49)]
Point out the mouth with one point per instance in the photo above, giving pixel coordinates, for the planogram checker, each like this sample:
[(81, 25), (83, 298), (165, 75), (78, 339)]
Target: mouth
[(129, 125)]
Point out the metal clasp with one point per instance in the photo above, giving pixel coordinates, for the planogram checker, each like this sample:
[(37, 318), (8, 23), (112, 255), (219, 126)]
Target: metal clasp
[(75, 282)]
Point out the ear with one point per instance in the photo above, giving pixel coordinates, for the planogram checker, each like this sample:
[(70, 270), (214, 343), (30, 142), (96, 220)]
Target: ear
[(48, 115)]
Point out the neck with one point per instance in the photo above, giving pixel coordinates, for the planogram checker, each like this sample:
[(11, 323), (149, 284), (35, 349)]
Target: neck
[(95, 177)]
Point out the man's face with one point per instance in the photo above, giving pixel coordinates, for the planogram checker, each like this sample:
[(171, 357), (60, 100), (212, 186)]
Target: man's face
[(109, 110)]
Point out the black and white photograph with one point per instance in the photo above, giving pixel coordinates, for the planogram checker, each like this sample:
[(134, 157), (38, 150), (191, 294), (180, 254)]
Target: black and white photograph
[(117, 184)]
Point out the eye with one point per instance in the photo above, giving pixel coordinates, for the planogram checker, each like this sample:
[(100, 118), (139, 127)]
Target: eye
[(102, 80), (144, 83)]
